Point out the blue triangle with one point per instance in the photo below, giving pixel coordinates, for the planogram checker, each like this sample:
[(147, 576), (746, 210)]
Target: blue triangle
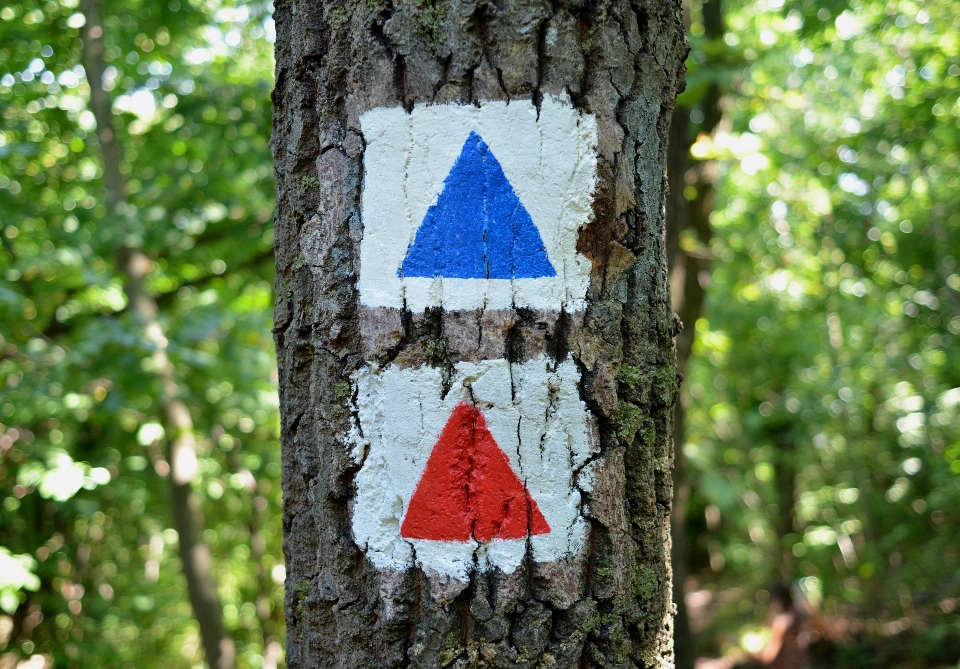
[(478, 229)]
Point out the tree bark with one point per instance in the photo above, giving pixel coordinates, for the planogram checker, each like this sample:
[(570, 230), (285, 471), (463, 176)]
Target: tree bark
[(609, 605), (185, 508)]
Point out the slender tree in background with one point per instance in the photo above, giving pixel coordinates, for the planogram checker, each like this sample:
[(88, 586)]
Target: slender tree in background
[(618, 61), (138, 464), (182, 455), (689, 205)]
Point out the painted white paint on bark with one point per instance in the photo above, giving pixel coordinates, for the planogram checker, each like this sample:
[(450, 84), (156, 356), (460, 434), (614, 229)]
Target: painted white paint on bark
[(550, 162), (534, 412)]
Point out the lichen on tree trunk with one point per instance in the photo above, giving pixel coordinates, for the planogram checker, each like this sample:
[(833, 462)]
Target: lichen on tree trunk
[(620, 62)]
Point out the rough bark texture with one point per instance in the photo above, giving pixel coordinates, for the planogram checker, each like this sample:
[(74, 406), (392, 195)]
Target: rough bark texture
[(620, 61), (178, 424)]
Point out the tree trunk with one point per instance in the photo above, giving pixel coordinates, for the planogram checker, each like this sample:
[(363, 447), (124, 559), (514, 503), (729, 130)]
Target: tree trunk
[(178, 424), (404, 545), (785, 475), (677, 219), (688, 267)]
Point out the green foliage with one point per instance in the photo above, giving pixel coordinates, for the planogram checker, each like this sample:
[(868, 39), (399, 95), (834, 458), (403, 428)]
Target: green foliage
[(16, 574), (83, 475), (824, 425)]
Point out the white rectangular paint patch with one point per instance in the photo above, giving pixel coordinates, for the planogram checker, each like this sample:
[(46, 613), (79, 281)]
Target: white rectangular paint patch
[(530, 412), (468, 207)]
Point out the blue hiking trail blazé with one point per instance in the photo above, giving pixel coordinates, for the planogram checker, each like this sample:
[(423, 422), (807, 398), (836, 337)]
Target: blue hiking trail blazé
[(478, 229)]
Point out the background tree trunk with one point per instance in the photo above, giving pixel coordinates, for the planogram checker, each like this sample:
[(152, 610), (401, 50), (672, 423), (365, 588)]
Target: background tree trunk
[(619, 61), (688, 234), (185, 508)]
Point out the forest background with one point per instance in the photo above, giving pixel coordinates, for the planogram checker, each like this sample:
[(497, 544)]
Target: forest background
[(814, 245)]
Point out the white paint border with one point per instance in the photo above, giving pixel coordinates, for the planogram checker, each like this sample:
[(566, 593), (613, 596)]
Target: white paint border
[(550, 161), (534, 412)]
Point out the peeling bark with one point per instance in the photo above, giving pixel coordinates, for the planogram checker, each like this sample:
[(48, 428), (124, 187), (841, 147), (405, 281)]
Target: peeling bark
[(620, 61)]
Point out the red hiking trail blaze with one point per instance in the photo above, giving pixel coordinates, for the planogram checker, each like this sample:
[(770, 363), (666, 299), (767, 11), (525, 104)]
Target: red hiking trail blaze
[(468, 488)]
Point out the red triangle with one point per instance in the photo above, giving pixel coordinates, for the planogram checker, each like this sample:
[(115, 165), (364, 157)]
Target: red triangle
[(468, 488)]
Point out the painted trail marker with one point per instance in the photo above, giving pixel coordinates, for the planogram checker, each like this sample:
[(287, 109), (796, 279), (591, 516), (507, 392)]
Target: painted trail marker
[(473, 207), (468, 471), (478, 229), (468, 489), (470, 207)]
